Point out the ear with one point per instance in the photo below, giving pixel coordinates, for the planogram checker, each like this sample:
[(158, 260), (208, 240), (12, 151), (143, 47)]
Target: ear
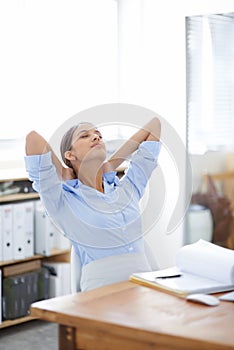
[(68, 155)]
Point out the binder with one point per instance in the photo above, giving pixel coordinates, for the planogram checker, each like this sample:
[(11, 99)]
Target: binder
[(0, 296), (55, 289), (11, 298), (1, 235), (18, 229), (7, 243), (44, 231), (22, 290), (60, 280), (43, 284), (31, 290), (29, 228)]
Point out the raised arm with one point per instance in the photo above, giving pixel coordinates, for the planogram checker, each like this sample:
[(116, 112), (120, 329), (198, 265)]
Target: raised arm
[(149, 132), (36, 145)]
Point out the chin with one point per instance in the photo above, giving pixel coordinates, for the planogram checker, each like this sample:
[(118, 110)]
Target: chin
[(97, 153)]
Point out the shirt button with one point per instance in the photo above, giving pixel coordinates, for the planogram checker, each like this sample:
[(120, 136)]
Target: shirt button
[(124, 228), (130, 249)]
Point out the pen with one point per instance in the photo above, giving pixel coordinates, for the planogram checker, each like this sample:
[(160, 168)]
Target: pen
[(169, 276)]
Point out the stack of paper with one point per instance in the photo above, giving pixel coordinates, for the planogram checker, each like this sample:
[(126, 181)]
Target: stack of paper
[(201, 267)]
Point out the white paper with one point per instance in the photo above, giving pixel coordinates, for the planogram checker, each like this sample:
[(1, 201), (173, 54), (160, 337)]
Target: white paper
[(208, 260), (202, 267)]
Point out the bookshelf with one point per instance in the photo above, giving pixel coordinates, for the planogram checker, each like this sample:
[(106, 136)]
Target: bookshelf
[(21, 266), (22, 191)]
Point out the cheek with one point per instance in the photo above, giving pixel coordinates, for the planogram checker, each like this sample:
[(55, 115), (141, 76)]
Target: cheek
[(80, 149)]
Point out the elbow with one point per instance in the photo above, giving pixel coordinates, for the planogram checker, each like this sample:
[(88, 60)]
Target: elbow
[(31, 136), (156, 128), (34, 144), (156, 121), (29, 141)]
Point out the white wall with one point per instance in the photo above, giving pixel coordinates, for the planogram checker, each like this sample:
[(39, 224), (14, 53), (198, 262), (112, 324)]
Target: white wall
[(57, 58), (152, 71)]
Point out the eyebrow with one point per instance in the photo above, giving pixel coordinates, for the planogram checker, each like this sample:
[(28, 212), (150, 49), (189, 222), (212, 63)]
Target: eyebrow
[(87, 130), (79, 132)]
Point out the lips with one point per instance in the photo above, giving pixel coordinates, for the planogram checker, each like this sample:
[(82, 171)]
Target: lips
[(95, 145)]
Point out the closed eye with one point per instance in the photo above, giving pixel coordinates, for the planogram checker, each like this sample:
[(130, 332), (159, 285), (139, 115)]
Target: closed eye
[(83, 134)]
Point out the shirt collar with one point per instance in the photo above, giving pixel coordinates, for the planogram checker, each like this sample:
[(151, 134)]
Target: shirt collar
[(109, 178)]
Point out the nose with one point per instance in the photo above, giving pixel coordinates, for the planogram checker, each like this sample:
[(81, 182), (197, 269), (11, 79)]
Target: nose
[(96, 137)]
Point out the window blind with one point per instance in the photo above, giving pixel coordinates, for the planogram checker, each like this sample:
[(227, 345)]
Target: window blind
[(210, 82)]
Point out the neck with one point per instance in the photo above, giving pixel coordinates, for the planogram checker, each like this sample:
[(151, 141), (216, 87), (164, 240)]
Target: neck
[(91, 176)]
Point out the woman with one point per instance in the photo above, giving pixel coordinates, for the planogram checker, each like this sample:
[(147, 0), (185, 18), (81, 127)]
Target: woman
[(98, 212)]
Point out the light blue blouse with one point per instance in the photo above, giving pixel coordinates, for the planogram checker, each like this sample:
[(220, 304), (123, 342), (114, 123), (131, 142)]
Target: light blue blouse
[(98, 224)]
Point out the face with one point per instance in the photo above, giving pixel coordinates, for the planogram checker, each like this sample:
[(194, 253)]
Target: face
[(87, 144)]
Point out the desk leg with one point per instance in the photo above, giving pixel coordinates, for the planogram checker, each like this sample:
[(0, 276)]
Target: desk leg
[(66, 338)]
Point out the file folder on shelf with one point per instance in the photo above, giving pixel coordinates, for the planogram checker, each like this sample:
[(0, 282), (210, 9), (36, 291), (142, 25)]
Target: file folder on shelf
[(0, 296), (7, 244), (1, 235), (31, 290), (29, 228), (18, 229), (43, 284), (59, 278), (23, 230), (47, 234), (11, 298), (44, 231)]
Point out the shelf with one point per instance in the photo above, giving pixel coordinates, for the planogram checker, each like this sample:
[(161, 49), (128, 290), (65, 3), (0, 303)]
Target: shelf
[(16, 189), (18, 197), (9, 323), (53, 253), (12, 262)]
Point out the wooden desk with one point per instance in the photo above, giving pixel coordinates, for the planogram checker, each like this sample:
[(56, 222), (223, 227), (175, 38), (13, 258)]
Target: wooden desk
[(127, 316)]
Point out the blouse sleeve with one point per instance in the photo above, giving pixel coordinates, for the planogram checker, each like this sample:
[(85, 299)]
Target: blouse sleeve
[(142, 164), (46, 181)]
